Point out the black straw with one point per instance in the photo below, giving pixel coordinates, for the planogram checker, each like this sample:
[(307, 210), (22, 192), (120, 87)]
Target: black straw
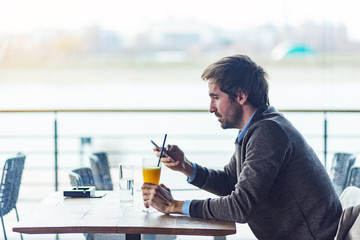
[(162, 149)]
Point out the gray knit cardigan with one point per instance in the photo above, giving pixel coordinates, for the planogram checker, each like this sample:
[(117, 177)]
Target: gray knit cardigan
[(274, 182)]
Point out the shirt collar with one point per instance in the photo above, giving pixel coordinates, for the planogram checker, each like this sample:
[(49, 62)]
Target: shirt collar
[(243, 132)]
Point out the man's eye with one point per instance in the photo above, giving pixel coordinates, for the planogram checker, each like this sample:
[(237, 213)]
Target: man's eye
[(214, 97)]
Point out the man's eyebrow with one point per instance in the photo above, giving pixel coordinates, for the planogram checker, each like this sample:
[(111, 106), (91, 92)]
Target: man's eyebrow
[(212, 94)]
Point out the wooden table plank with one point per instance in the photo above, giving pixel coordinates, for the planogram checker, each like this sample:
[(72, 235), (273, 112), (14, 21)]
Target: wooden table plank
[(57, 214), (102, 217)]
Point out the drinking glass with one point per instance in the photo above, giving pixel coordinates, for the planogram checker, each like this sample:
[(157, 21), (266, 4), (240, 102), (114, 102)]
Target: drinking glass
[(126, 185), (151, 173)]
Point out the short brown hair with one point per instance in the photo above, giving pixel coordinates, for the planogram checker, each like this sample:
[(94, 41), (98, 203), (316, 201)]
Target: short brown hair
[(239, 72)]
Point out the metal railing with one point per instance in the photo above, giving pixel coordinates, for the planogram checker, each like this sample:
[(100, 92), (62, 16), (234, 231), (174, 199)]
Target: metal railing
[(57, 136)]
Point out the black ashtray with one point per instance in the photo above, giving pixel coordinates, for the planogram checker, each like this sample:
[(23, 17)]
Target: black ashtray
[(81, 191)]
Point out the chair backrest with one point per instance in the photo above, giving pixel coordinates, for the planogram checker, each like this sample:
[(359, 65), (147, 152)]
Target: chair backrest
[(341, 164), (81, 177), (101, 171), (354, 177), (75, 179), (10, 183)]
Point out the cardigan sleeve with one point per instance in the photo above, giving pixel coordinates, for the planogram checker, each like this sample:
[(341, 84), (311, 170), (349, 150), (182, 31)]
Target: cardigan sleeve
[(219, 182), (266, 146)]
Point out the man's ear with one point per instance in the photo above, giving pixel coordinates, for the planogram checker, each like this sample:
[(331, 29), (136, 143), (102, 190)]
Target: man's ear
[(242, 97)]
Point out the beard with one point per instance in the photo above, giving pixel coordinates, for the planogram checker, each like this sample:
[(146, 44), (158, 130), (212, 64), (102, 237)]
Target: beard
[(231, 118)]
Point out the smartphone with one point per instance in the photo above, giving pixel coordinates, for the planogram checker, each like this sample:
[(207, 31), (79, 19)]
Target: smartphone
[(167, 155)]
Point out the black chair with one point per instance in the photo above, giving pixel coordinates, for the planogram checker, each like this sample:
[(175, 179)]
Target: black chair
[(101, 170), (9, 187), (341, 164), (81, 177)]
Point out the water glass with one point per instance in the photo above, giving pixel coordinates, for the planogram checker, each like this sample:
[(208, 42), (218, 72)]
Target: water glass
[(126, 185)]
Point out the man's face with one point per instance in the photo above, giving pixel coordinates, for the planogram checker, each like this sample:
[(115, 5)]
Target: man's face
[(227, 110)]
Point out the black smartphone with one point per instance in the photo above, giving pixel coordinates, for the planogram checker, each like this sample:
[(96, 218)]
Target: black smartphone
[(164, 152)]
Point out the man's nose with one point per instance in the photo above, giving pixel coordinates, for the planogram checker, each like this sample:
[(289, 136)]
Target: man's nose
[(212, 107)]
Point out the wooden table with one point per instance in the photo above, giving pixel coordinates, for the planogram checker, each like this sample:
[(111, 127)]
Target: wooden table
[(56, 214)]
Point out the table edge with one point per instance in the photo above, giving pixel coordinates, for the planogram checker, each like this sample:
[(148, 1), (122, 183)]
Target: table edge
[(123, 230)]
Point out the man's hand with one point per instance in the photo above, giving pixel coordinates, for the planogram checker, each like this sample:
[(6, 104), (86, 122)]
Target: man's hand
[(160, 198), (180, 162)]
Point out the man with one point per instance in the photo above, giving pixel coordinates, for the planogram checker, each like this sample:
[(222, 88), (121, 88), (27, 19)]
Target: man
[(274, 181)]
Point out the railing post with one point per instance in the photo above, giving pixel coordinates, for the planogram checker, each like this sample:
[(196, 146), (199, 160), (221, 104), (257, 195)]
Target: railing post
[(56, 150), (325, 138)]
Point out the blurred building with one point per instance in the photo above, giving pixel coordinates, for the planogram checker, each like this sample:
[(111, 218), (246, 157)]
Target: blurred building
[(174, 41)]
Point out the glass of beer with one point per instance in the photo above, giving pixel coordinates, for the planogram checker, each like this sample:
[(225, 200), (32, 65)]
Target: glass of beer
[(151, 173)]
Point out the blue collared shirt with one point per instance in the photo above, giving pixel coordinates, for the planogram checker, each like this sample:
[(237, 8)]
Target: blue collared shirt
[(186, 206), (243, 132)]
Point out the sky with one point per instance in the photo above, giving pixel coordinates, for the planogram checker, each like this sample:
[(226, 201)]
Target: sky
[(130, 17)]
